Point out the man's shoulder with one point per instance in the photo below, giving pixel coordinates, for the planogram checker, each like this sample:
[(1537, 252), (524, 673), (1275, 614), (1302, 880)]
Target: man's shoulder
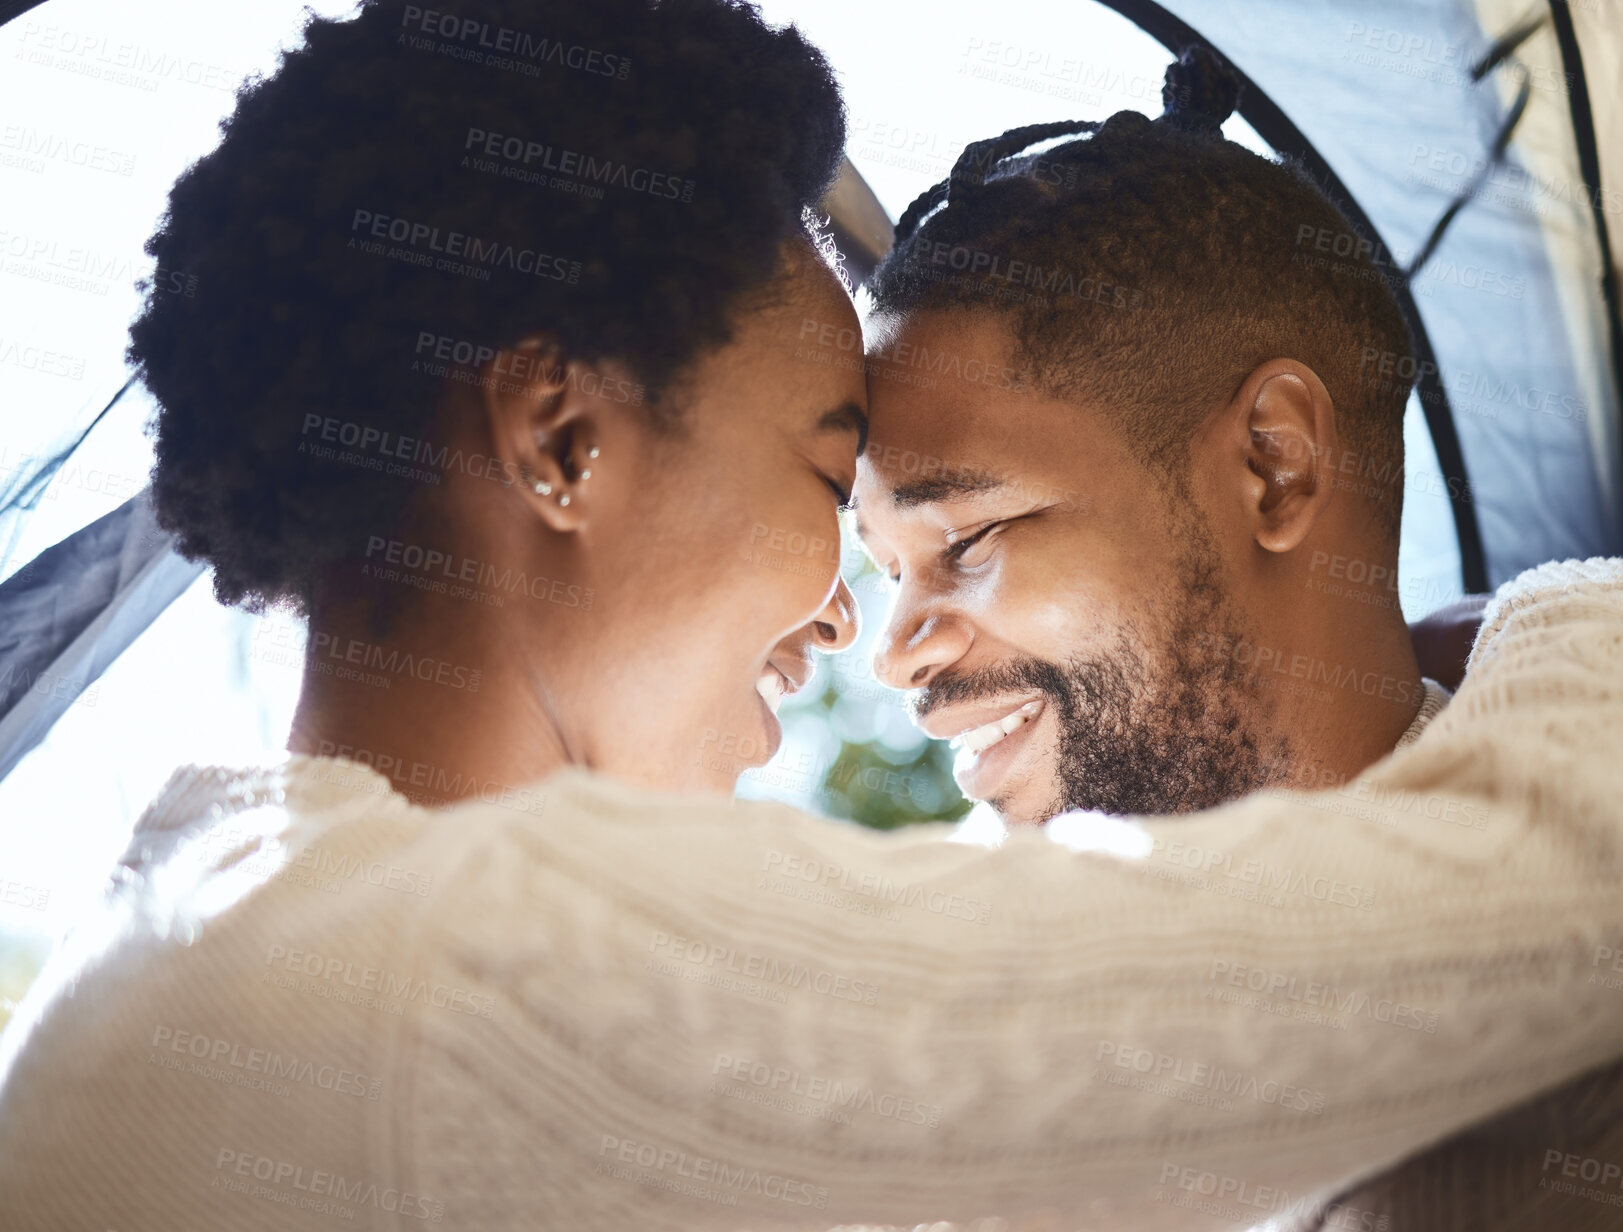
[(1552, 602)]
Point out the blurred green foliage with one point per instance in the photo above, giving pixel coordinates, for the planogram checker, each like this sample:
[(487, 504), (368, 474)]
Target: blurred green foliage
[(883, 787)]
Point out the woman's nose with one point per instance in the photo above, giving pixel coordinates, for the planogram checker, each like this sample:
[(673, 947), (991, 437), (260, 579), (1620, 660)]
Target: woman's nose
[(837, 625)]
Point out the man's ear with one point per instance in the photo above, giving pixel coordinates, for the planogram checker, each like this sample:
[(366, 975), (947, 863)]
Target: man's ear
[(1285, 424), (545, 413)]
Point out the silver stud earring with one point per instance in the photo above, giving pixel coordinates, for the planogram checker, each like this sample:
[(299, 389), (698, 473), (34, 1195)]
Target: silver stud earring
[(586, 473), (564, 499), (593, 452), (540, 486)]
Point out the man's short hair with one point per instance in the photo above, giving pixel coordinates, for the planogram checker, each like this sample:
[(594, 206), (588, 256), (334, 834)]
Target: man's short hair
[(1147, 269)]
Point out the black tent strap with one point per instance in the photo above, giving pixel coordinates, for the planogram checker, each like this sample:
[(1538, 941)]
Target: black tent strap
[(1498, 54), (1583, 134)]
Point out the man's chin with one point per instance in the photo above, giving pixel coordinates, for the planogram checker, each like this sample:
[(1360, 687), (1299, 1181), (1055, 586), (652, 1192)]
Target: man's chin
[(1031, 805)]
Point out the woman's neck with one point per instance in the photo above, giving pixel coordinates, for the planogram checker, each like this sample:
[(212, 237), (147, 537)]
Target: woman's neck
[(418, 703)]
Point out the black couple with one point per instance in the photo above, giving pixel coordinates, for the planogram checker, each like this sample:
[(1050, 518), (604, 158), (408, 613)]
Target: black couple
[(1115, 446), (1111, 442)]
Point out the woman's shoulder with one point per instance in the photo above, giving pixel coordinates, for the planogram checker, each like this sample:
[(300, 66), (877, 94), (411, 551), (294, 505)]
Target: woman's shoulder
[(201, 798)]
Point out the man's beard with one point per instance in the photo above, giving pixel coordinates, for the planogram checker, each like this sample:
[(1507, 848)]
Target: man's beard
[(1160, 724)]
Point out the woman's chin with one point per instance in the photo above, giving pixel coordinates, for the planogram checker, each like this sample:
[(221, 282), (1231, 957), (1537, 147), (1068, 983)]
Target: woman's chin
[(773, 729)]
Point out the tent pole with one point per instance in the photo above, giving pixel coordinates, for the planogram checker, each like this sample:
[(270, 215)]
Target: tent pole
[(1583, 133)]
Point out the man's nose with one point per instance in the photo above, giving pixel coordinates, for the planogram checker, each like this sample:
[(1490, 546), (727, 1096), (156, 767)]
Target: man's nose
[(838, 624), (916, 643)]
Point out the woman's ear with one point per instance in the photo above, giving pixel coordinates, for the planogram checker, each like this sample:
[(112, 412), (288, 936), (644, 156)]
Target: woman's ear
[(546, 412), (1284, 421)]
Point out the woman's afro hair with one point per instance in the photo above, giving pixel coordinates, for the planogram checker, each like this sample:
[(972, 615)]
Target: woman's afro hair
[(620, 173)]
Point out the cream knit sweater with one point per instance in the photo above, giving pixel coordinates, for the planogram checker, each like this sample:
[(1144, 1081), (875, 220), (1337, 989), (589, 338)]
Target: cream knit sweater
[(311, 1004)]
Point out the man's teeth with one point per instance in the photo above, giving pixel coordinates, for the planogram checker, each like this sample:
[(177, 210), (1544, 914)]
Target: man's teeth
[(770, 687), (979, 739)]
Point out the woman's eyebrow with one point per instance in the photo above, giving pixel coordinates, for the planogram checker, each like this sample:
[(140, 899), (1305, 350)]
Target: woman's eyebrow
[(847, 417)]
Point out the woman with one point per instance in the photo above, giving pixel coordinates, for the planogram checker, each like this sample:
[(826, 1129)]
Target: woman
[(467, 404), (584, 1004)]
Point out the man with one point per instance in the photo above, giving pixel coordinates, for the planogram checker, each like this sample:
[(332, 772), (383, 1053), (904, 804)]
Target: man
[(1124, 441)]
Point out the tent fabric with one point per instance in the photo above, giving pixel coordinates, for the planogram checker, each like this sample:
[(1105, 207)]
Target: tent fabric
[(859, 224), (72, 610)]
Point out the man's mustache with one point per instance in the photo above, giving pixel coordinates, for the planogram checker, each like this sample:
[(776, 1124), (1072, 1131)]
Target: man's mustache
[(1018, 676)]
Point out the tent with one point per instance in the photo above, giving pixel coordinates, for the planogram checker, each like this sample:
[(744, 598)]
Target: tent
[(1505, 119)]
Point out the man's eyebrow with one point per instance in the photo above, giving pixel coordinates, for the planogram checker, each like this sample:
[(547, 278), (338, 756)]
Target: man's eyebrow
[(937, 488), (848, 417)]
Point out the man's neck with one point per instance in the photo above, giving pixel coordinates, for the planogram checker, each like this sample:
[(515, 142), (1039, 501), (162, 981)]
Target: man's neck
[(1344, 701)]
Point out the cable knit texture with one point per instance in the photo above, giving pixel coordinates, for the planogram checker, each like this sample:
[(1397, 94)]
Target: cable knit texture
[(581, 1006)]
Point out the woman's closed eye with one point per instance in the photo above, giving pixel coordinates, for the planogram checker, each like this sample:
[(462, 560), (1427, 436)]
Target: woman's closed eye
[(842, 495)]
